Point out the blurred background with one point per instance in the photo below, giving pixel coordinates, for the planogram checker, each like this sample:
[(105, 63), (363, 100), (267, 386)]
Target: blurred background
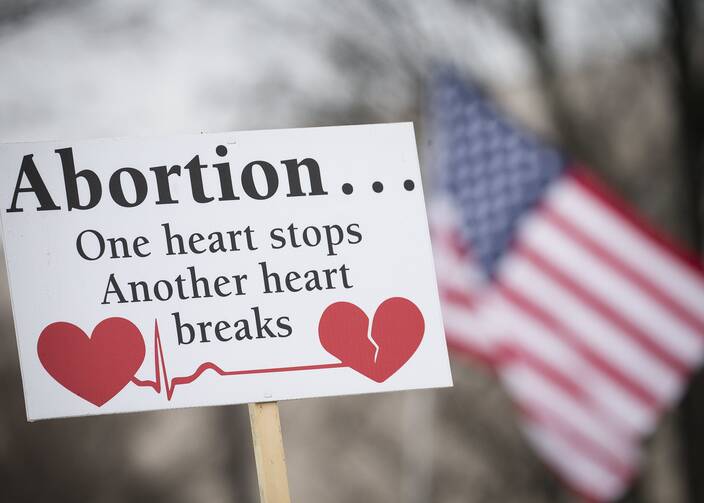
[(618, 84)]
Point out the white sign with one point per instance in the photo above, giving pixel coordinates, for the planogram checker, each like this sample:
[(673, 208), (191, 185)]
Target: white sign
[(219, 268)]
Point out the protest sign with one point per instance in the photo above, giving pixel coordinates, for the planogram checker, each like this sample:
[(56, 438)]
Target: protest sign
[(219, 268)]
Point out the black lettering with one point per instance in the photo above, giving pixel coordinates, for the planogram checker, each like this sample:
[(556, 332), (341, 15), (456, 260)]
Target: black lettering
[(118, 193), (313, 282), (272, 180), (267, 276), (36, 185), (276, 235), (242, 333), (292, 232), (162, 183), (219, 327), (194, 240), (113, 248), (283, 325), (140, 241), (179, 286), (179, 330), (219, 282), (113, 288), (81, 250), (294, 177), (261, 328), (225, 176), (95, 190), (333, 241), (239, 278), (316, 233), (343, 272), (195, 169), (157, 290), (203, 333), (145, 291), (290, 278), (328, 276), (353, 230), (248, 231), (217, 244), (195, 281), (169, 238)]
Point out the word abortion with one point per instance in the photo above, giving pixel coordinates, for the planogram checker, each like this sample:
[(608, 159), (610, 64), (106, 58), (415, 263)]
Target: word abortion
[(129, 187)]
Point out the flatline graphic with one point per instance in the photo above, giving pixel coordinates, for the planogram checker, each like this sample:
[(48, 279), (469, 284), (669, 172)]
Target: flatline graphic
[(170, 385)]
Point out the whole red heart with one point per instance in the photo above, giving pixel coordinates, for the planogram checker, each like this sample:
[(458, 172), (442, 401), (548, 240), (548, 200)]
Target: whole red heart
[(95, 368), (397, 330)]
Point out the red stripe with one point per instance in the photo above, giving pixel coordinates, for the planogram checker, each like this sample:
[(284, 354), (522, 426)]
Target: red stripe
[(506, 354), (475, 352), (515, 354), (623, 268), (452, 295), (450, 240), (588, 181), (460, 246), (583, 494), (560, 331), (579, 442), (643, 339)]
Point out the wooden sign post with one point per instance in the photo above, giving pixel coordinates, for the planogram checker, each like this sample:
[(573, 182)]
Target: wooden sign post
[(269, 452)]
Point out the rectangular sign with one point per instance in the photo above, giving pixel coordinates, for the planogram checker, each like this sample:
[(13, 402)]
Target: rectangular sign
[(219, 268)]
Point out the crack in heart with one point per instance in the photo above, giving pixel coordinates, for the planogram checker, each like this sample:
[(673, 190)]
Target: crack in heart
[(396, 332), (376, 346)]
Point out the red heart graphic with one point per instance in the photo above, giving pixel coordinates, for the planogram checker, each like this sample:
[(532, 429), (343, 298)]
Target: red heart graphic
[(94, 368), (397, 330)]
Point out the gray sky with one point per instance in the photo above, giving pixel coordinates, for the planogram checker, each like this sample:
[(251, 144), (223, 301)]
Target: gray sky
[(127, 67)]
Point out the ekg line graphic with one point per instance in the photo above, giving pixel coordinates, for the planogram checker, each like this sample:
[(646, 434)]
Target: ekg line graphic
[(170, 385)]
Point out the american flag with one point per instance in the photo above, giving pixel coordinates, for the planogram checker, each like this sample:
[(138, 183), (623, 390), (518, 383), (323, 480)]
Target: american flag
[(591, 318)]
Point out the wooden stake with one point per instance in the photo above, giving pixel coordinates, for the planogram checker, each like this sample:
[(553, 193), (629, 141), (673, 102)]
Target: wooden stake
[(269, 452)]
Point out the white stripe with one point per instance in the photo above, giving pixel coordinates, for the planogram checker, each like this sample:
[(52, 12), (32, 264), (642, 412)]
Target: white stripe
[(583, 473), (613, 289), (463, 325), (536, 390), (592, 329), (543, 344), (628, 243), (455, 272), (453, 268), (442, 212)]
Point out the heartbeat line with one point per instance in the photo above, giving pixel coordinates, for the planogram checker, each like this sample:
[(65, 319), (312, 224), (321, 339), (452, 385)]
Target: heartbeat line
[(170, 385)]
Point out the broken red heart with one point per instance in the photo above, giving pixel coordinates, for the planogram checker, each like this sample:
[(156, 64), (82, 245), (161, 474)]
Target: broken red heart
[(397, 329), (95, 368)]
